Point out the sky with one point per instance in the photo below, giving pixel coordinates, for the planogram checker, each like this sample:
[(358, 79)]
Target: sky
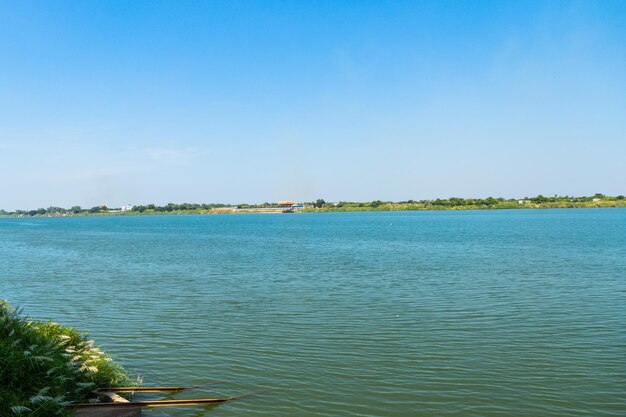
[(117, 102)]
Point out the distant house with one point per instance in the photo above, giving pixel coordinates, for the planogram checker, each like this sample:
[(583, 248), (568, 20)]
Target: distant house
[(523, 201), (289, 206), (595, 200), (129, 207)]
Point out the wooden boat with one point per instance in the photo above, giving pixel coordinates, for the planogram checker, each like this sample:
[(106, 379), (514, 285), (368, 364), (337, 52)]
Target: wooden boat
[(146, 389), (110, 404)]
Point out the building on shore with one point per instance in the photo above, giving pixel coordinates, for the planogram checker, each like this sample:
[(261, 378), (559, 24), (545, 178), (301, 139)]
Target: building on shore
[(289, 206)]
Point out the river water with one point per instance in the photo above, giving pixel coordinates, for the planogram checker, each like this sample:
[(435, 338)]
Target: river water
[(478, 313)]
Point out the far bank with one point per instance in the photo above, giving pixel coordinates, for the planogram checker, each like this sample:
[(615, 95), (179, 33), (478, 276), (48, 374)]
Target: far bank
[(320, 206)]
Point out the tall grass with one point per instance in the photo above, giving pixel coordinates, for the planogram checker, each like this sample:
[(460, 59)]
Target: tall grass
[(45, 366)]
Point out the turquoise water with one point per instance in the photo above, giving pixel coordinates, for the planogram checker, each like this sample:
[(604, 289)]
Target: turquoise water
[(482, 313)]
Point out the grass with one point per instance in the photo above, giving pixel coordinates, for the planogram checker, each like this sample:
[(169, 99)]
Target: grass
[(45, 366)]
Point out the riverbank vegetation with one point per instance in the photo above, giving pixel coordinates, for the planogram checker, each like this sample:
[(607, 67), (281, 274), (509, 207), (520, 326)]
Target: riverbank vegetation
[(490, 203), (45, 366), (320, 205)]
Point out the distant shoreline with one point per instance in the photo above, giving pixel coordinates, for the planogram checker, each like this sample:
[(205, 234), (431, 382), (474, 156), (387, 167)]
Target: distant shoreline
[(444, 205)]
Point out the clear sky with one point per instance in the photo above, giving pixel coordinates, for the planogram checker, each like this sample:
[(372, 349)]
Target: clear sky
[(121, 102)]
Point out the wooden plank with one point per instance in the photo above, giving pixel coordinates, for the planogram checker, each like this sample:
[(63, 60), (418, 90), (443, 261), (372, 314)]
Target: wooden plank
[(109, 412), (158, 403), (147, 389)]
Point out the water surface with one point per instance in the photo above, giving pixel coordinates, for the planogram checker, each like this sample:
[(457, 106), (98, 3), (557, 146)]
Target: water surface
[(482, 313)]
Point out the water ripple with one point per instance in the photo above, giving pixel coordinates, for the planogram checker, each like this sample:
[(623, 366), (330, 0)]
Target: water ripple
[(515, 313)]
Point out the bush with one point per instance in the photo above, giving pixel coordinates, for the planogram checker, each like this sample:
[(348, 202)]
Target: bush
[(46, 366)]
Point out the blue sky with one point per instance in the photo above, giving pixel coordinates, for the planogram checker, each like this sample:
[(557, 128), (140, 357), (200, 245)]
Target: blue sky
[(136, 102)]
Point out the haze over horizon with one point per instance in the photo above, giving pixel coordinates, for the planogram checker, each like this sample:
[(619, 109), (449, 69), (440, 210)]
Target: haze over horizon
[(155, 102)]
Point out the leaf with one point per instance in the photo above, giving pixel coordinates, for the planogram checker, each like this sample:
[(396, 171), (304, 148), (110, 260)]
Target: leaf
[(52, 370), (36, 399), (43, 390), (19, 409)]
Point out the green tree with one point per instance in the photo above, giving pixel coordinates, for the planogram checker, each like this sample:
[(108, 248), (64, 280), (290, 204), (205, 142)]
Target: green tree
[(457, 201), (490, 201), (53, 209)]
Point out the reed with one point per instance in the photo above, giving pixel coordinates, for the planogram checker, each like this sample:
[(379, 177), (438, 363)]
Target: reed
[(45, 366)]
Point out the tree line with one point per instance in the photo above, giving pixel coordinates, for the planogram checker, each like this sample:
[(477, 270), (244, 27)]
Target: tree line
[(452, 202)]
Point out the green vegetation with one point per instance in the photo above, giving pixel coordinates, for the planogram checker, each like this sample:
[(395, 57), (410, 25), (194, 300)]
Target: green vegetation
[(320, 205), (490, 203), (45, 366)]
